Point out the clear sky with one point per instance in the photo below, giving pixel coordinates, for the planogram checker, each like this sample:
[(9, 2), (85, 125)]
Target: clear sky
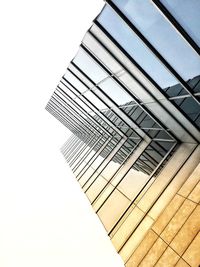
[(45, 219)]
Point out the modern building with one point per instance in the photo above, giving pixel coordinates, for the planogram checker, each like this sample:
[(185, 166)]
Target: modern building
[(131, 99)]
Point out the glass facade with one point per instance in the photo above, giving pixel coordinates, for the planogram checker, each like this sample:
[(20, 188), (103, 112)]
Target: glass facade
[(130, 97)]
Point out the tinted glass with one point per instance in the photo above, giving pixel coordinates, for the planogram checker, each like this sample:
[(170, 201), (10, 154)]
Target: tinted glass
[(115, 92), (95, 100), (147, 18), (75, 82), (187, 14), (89, 67), (135, 48)]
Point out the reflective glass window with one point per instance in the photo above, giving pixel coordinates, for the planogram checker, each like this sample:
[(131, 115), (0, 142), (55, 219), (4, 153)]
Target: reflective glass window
[(75, 82), (115, 92), (187, 14), (160, 33), (95, 100), (135, 47), (89, 67), (82, 105), (66, 90), (112, 209)]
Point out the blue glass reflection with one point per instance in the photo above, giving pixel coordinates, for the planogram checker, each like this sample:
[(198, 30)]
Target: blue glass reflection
[(135, 48), (187, 14), (89, 67), (115, 92), (146, 17)]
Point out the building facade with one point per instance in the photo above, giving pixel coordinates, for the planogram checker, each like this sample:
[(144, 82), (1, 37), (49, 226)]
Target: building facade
[(131, 98)]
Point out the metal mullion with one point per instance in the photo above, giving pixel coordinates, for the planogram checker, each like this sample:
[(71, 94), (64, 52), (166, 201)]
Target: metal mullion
[(79, 125), (65, 146), (131, 111), (155, 150), (110, 151), (149, 159), (77, 122), (70, 109), (143, 187), (80, 155), (76, 149), (164, 11), (66, 125), (96, 149), (77, 152), (68, 144), (81, 109), (123, 86), (96, 111), (80, 161), (75, 75), (81, 150), (95, 156), (53, 114), (65, 149), (143, 167), (99, 111), (98, 88), (74, 130), (123, 116), (130, 162), (73, 150), (154, 129), (57, 114), (77, 114), (103, 93), (65, 112), (143, 74), (162, 148), (178, 106), (163, 140), (151, 48), (110, 180), (93, 124), (86, 155), (105, 163), (140, 104), (181, 96), (128, 105), (140, 119)]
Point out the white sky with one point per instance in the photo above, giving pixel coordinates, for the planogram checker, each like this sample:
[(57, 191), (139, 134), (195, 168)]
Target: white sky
[(45, 219)]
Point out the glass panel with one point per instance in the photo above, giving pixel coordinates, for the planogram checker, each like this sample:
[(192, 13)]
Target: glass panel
[(66, 92), (102, 197), (115, 92), (195, 84), (112, 209), (135, 48), (84, 163), (82, 105), (86, 176), (190, 107), (96, 188), (89, 67), (97, 102), (75, 82), (162, 36), (132, 183), (96, 48), (187, 14)]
